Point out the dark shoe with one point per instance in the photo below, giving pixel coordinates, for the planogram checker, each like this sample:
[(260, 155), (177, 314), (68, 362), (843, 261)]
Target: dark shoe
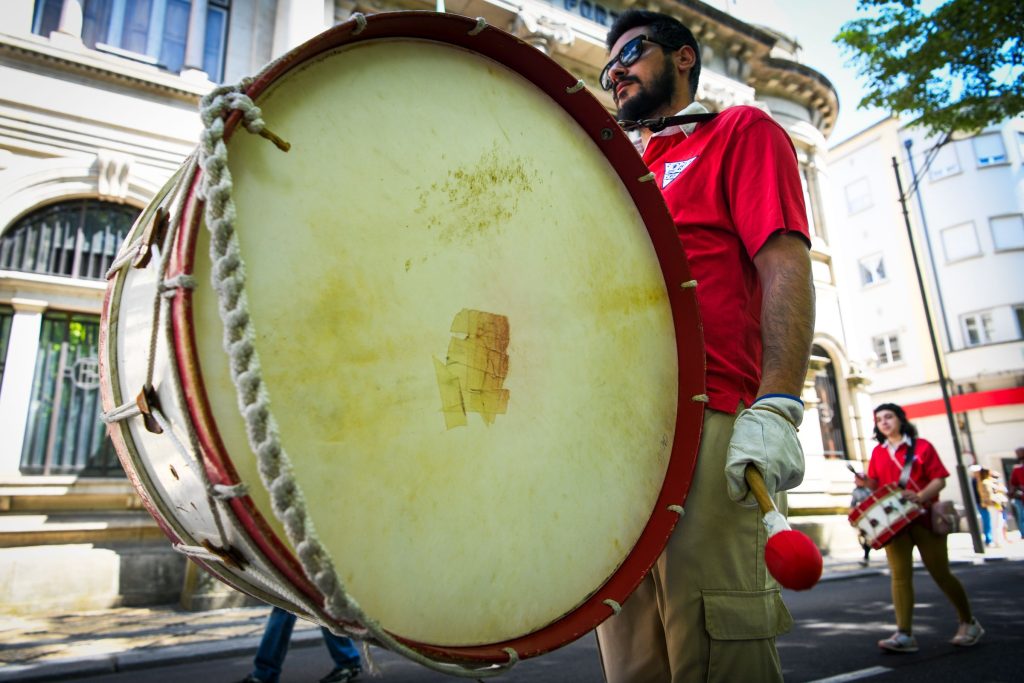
[(342, 674)]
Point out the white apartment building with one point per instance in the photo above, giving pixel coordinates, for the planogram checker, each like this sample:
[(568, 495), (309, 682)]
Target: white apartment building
[(966, 214), (98, 106)]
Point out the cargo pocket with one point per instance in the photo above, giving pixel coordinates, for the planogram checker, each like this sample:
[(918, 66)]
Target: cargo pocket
[(741, 626)]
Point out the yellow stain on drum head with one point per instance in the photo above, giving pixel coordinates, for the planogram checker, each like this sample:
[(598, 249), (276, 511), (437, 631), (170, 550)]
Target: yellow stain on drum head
[(477, 365), (477, 198)]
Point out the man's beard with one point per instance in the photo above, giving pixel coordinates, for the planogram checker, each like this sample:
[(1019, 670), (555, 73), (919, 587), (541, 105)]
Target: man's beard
[(646, 101)]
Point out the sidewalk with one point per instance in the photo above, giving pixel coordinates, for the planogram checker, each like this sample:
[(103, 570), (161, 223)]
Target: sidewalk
[(53, 647)]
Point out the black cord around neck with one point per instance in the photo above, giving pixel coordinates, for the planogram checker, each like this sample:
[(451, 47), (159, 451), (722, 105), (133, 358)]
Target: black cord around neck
[(658, 125)]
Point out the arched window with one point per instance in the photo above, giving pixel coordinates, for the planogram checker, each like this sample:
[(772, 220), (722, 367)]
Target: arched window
[(77, 238), (830, 415)]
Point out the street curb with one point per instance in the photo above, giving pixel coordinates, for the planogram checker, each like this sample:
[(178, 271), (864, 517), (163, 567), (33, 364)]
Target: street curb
[(57, 669)]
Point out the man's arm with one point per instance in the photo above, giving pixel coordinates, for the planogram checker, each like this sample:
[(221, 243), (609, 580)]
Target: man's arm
[(787, 313), (765, 434)]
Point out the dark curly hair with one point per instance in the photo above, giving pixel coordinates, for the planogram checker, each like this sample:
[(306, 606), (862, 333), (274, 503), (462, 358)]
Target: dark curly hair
[(664, 29), (907, 427)]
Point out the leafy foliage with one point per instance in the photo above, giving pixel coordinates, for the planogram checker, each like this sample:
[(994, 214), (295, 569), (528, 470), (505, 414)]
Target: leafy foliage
[(959, 68)]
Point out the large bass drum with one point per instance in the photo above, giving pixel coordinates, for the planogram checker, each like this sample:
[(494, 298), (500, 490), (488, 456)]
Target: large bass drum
[(433, 376)]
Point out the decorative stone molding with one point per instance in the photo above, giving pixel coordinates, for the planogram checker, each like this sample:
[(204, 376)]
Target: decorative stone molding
[(23, 305), (721, 92), (544, 33), (113, 172)]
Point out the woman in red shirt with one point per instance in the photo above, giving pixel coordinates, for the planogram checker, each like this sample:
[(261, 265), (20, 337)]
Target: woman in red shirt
[(897, 439)]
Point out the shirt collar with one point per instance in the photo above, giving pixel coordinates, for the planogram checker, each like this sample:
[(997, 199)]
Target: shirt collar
[(892, 449), (687, 128)]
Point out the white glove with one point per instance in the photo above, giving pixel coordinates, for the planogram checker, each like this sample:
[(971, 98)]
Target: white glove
[(765, 435)]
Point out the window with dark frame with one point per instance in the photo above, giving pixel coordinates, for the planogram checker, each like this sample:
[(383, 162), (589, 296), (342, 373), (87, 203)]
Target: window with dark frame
[(6, 320), (149, 31), (830, 414), (64, 433)]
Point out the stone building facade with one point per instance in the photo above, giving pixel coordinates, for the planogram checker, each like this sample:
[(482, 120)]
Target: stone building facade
[(965, 208), (100, 107)]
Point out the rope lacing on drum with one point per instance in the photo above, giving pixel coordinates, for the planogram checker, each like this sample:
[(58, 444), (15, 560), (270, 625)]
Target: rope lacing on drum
[(481, 24), (146, 404), (360, 20), (575, 87), (169, 287), (274, 466)]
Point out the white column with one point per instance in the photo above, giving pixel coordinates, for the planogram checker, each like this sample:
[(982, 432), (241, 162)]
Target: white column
[(19, 16), (69, 31), (71, 18), (16, 392), (815, 474), (196, 40), (297, 21)]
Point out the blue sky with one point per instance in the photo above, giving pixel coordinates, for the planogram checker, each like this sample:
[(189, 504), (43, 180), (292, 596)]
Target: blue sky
[(814, 24)]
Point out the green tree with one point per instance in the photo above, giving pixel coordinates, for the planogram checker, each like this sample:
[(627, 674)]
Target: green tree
[(959, 68)]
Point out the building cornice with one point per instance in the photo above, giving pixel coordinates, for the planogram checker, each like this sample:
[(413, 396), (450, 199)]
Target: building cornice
[(70, 56), (800, 83)]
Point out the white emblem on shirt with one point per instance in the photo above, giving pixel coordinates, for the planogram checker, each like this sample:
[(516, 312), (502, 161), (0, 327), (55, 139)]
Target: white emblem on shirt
[(673, 169)]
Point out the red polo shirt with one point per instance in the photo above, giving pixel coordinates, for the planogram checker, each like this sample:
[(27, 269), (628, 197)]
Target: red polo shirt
[(886, 469), (730, 185), (1017, 476)]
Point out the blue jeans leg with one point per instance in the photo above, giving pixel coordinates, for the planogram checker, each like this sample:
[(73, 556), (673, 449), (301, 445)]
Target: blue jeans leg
[(1018, 507), (274, 645), (986, 525), (343, 650)]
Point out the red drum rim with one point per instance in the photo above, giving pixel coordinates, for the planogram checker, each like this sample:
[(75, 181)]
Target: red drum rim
[(889, 532), (559, 84)]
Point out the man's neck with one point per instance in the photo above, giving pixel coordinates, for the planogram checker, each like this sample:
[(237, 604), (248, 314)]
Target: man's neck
[(670, 109)]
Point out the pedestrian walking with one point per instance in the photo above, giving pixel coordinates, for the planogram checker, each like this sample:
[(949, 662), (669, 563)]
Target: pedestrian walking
[(860, 493), (993, 500), (274, 648), (1016, 490), (912, 463)]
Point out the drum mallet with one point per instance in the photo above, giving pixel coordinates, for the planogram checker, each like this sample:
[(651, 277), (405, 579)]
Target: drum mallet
[(791, 556)]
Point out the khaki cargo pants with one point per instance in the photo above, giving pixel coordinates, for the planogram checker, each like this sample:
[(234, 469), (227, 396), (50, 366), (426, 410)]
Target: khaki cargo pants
[(708, 610)]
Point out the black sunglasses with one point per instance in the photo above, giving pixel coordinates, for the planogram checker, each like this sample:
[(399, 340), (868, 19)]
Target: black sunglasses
[(628, 55)]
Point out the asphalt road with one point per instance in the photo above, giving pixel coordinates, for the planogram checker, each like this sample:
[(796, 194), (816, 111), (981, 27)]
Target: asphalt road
[(837, 626)]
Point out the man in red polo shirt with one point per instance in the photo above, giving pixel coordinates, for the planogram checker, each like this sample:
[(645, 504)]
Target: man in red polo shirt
[(709, 611)]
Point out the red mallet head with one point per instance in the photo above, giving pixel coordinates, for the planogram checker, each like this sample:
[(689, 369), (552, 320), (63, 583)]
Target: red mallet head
[(793, 560)]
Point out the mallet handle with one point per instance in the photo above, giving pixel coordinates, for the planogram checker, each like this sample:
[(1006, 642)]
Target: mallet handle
[(757, 487)]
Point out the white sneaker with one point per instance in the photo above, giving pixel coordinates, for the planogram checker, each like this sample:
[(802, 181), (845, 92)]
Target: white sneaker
[(968, 634), (899, 642)]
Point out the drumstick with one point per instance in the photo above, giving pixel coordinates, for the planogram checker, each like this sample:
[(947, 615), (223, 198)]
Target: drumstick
[(791, 556)]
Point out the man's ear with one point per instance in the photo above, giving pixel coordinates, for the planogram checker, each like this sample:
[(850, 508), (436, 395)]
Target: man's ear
[(684, 58)]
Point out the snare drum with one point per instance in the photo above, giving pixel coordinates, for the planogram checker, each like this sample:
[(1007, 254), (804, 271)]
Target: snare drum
[(432, 377), (884, 514)]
